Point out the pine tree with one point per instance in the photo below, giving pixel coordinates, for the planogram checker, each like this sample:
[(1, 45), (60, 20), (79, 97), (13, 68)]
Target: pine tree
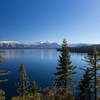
[(94, 60), (34, 88), (23, 84), (34, 94), (64, 69), (85, 85), (3, 72)]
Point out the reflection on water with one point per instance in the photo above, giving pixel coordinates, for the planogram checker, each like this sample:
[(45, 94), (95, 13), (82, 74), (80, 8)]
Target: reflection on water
[(47, 54), (40, 65), (41, 53), (10, 54)]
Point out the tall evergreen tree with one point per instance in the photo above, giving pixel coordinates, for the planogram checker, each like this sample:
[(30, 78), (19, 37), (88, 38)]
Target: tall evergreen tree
[(23, 84), (94, 60), (64, 69), (34, 88), (85, 85)]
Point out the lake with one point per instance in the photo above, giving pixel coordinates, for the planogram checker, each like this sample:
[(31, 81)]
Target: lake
[(40, 65)]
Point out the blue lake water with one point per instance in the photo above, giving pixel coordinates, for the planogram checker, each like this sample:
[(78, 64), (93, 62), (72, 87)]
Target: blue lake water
[(40, 65)]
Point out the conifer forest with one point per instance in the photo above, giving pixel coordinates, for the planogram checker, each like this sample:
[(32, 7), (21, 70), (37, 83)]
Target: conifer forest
[(64, 87)]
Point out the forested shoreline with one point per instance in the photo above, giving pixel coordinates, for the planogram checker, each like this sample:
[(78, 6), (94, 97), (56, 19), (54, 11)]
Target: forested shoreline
[(84, 49)]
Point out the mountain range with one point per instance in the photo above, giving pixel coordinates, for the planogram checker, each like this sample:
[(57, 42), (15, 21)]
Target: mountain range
[(20, 45), (35, 45)]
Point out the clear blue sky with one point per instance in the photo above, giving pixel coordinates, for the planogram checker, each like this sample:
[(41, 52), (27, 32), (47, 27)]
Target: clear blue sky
[(50, 20)]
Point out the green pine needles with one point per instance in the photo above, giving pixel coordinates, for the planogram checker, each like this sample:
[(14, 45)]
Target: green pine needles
[(91, 76), (64, 69), (23, 84)]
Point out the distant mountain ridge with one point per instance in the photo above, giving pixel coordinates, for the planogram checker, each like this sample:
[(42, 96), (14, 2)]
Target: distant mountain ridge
[(35, 45), (20, 45)]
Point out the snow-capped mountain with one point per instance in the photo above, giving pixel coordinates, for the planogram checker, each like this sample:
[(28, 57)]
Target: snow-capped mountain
[(35, 45), (8, 42), (20, 45)]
